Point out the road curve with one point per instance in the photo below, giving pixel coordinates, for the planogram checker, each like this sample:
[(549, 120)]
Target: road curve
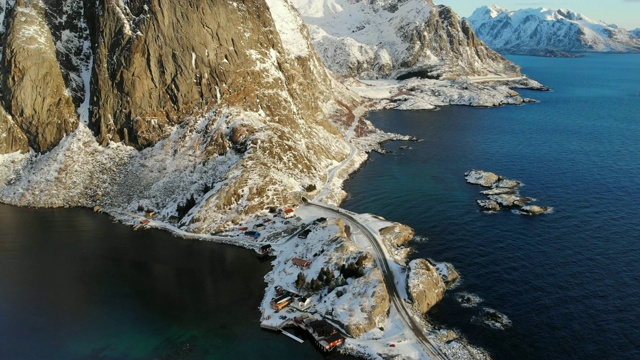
[(388, 278)]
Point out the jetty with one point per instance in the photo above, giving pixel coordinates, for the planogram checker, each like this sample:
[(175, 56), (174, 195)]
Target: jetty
[(292, 336)]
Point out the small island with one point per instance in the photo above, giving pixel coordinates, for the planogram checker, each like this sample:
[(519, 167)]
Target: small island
[(503, 193)]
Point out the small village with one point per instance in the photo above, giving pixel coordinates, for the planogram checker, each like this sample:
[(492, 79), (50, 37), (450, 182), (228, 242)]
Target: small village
[(289, 309), (292, 309)]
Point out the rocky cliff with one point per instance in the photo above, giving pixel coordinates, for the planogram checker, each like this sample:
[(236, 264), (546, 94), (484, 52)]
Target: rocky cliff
[(398, 39), (228, 97), (548, 31), (424, 284), (33, 88)]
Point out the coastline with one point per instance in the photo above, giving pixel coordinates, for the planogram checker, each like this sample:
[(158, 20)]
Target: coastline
[(331, 193)]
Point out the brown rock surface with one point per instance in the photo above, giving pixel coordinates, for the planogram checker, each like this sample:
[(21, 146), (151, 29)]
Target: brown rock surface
[(12, 139), (425, 285), (34, 91), (176, 59)]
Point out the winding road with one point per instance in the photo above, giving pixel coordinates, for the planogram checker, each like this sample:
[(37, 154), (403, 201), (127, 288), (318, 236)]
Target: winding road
[(389, 280)]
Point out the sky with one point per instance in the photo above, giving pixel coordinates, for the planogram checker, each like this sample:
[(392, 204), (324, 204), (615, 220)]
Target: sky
[(624, 13)]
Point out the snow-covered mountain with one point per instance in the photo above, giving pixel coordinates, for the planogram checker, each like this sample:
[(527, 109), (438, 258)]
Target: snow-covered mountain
[(540, 31), (397, 39), (140, 105), (136, 103)]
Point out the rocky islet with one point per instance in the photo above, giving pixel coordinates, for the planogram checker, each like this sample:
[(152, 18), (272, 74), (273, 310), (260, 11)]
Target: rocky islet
[(503, 193)]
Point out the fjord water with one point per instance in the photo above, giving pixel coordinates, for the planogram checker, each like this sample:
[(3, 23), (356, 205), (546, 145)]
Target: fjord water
[(569, 281), (74, 285)]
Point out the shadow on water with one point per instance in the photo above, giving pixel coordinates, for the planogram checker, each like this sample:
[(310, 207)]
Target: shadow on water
[(75, 285)]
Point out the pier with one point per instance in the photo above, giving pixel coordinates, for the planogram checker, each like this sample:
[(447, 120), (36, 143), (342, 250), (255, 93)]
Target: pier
[(292, 336)]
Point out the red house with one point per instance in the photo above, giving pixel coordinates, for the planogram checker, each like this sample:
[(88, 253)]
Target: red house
[(289, 213), (302, 263)]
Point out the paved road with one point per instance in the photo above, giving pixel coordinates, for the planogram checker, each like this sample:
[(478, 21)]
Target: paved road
[(396, 300)]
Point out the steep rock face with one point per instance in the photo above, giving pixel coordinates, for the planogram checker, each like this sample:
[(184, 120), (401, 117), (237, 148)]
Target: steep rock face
[(178, 59), (12, 139), (67, 23), (228, 96), (390, 38), (33, 87), (547, 31), (425, 285)]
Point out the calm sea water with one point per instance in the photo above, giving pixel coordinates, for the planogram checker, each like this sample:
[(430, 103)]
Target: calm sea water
[(74, 285), (569, 281)]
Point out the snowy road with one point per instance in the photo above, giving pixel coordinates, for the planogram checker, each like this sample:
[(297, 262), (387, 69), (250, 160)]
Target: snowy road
[(389, 280)]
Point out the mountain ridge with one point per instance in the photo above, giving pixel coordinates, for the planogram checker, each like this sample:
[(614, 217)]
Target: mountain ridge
[(397, 39), (542, 30)]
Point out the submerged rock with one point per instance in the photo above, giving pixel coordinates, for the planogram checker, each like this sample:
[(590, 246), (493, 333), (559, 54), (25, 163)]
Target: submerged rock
[(482, 178), (493, 319), (467, 299)]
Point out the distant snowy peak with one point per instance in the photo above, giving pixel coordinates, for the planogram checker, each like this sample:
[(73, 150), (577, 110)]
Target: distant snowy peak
[(535, 31), (397, 38)]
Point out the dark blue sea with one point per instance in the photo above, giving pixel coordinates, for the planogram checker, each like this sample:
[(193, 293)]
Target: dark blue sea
[(569, 281), (76, 286)]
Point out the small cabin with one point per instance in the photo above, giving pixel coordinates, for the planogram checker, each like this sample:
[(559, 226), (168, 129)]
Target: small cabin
[(289, 213), (301, 263), (333, 341), (281, 302), (150, 214), (266, 249)]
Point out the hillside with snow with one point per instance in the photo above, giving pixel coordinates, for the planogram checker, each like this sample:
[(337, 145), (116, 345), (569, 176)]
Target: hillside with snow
[(548, 31), (397, 39)]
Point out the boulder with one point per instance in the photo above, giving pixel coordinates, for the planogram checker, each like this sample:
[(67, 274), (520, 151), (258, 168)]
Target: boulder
[(482, 178), (425, 285), (397, 234), (488, 205), (498, 191), (535, 210), (507, 183), (510, 200)]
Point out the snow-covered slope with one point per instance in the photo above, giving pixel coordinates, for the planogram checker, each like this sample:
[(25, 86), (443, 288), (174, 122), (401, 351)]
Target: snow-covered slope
[(397, 38), (538, 31)]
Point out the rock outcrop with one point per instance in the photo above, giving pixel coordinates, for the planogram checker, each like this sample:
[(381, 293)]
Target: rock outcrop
[(480, 177), (424, 284), (395, 237), (503, 193), (33, 88)]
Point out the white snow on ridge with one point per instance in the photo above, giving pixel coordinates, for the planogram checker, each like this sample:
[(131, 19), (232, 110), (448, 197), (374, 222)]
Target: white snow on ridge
[(548, 29), (342, 29), (290, 27)]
